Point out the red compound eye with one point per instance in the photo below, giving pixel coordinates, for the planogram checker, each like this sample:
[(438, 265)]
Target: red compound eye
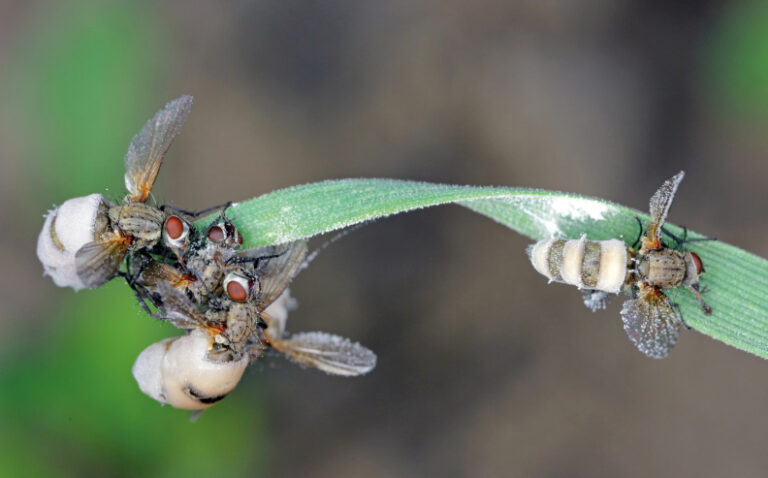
[(174, 227), (237, 287), (216, 234), (236, 292), (176, 233), (697, 262)]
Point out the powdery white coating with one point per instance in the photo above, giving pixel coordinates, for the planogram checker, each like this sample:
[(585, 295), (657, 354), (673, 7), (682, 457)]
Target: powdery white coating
[(613, 266), (578, 208), (552, 210), (146, 369), (73, 223), (613, 263), (573, 255), (595, 299), (178, 372), (538, 254)]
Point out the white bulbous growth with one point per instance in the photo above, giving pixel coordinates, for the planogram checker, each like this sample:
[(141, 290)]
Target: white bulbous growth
[(278, 313), (177, 371), (66, 229)]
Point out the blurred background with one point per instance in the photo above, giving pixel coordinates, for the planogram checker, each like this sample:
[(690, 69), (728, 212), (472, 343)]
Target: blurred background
[(484, 370)]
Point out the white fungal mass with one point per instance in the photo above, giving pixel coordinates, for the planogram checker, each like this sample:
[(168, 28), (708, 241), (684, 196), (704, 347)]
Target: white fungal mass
[(66, 229), (178, 372)]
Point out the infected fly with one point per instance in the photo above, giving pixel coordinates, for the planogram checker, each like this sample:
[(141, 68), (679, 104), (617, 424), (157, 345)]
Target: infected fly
[(135, 225), (603, 267), (243, 327)]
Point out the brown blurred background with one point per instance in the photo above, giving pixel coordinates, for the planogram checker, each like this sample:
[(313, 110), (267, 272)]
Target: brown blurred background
[(484, 370)]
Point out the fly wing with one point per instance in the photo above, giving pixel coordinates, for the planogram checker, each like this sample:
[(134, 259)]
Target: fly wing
[(97, 261), (179, 310), (145, 154), (651, 324), (153, 273), (276, 274), (327, 352), (660, 203)]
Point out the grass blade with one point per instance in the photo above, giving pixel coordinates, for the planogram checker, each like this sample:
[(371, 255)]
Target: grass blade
[(737, 280)]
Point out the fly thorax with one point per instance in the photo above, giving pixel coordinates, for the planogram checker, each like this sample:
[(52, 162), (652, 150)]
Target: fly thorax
[(142, 222), (240, 323), (664, 268), (207, 270)]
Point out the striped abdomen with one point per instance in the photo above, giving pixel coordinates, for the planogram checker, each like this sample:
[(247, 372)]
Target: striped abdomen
[(598, 265)]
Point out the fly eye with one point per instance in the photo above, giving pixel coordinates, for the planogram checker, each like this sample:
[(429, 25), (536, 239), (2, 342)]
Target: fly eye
[(237, 286), (176, 232), (217, 234), (238, 238), (697, 263)]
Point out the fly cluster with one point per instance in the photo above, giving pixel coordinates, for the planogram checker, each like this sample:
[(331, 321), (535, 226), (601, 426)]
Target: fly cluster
[(233, 303), (608, 267)]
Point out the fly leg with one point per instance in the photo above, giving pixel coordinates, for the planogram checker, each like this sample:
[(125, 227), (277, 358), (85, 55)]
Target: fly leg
[(132, 279), (694, 288), (254, 260), (639, 234), (680, 241), (223, 207), (142, 294), (679, 312)]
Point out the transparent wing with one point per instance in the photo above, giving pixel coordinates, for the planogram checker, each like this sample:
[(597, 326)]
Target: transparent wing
[(179, 310), (153, 273), (276, 274), (651, 324), (660, 203), (145, 154), (327, 352), (97, 261)]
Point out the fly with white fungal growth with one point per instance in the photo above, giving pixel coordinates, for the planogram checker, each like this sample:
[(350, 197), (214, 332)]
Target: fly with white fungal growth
[(608, 267), (84, 241), (245, 324), (134, 224)]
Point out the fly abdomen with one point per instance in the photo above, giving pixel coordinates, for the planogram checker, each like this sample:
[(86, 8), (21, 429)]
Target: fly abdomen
[(598, 265)]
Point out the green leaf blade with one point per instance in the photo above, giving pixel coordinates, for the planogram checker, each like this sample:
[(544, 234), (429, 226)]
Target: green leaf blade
[(736, 280)]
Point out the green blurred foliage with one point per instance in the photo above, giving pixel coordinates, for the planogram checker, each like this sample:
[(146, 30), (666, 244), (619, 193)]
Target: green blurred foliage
[(84, 79), (75, 409), (86, 75), (737, 60)]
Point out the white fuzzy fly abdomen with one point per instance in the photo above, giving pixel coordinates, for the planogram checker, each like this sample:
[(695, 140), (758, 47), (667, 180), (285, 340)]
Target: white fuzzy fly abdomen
[(596, 265)]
